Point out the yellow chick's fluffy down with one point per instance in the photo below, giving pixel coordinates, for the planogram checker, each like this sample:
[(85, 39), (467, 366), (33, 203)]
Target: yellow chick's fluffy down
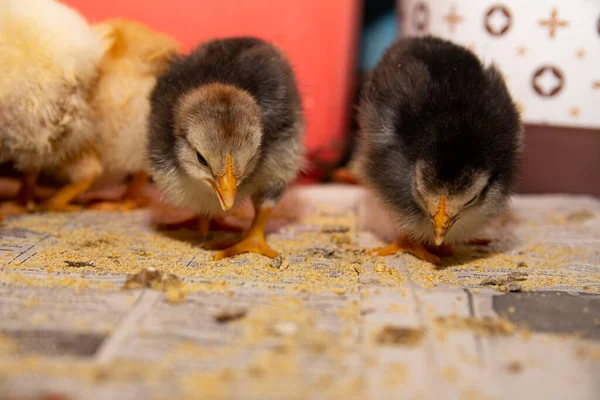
[(49, 59), (135, 56)]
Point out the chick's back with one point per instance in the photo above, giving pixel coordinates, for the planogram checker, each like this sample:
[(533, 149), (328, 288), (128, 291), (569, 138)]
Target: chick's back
[(48, 62), (249, 64), (438, 103)]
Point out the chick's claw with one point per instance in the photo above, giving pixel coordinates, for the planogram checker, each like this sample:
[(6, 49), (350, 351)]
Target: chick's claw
[(254, 242), (405, 246), (251, 244)]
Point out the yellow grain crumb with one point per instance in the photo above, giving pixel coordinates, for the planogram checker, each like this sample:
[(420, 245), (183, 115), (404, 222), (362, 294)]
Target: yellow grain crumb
[(32, 302), (7, 345), (379, 268), (158, 280), (586, 310), (175, 295), (511, 310), (486, 325), (473, 394), (41, 318), (514, 367), (398, 335), (450, 374), (395, 374), (397, 308)]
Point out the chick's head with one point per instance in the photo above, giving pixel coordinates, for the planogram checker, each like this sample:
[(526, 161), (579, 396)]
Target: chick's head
[(219, 131), (470, 196), (468, 173)]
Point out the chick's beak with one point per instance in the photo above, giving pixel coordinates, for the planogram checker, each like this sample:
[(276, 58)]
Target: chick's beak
[(226, 186), (441, 222)]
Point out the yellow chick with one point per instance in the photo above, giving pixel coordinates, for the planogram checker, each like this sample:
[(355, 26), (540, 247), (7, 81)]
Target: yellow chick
[(136, 55), (49, 59)]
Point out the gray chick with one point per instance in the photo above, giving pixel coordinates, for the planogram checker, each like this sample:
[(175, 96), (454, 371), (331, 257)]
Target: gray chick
[(226, 124), (440, 143)]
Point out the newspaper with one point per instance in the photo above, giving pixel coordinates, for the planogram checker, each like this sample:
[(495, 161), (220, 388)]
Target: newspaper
[(519, 318)]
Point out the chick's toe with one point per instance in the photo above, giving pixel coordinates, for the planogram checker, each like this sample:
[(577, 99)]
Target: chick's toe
[(403, 245), (253, 243)]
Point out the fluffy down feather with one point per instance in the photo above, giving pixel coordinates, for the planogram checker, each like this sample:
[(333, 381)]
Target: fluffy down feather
[(120, 102), (49, 59)]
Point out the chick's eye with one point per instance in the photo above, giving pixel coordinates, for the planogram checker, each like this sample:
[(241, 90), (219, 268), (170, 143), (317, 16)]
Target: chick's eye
[(472, 201), (201, 159)]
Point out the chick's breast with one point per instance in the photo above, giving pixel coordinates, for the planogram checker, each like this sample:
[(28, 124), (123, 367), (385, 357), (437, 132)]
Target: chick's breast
[(249, 65)]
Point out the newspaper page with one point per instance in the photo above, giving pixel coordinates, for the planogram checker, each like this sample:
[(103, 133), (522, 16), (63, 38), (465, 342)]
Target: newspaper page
[(100, 305)]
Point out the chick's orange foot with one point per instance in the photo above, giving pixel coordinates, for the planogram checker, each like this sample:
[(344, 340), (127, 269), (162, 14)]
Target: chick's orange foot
[(253, 243), (12, 207), (61, 201), (58, 207), (404, 245)]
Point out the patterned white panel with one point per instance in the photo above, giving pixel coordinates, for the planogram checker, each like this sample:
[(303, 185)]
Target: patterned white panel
[(548, 50)]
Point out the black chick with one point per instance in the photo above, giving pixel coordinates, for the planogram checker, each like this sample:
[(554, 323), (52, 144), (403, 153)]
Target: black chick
[(440, 143), (226, 123)]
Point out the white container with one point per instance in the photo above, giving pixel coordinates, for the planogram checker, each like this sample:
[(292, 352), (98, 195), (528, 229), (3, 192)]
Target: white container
[(548, 50)]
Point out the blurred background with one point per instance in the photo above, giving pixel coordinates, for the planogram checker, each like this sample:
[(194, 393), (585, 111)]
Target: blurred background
[(549, 52)]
